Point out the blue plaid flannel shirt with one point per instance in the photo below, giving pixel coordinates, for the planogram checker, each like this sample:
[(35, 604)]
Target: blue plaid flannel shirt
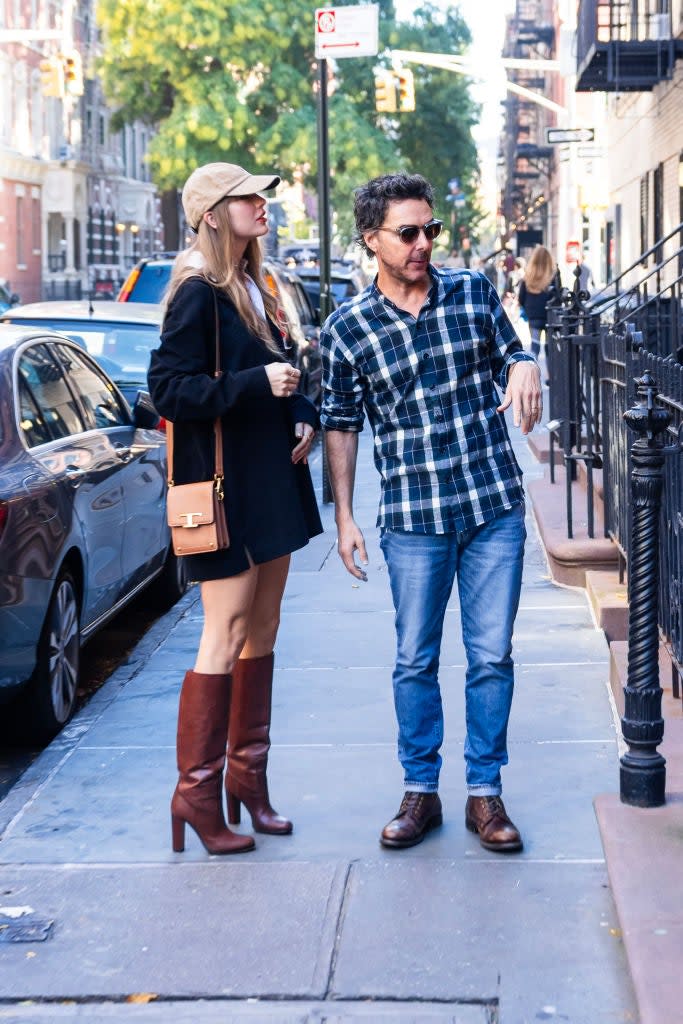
[(428, 387)]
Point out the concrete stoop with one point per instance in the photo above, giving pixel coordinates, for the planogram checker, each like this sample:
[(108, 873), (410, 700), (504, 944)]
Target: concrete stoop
[(609, 601), (570, 558), (643, 847)]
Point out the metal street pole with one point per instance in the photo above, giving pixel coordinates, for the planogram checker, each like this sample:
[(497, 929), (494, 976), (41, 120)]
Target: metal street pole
[(324, 230), (323, 191)]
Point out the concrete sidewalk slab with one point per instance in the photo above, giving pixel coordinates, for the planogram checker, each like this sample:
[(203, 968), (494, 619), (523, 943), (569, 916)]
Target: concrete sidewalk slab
[(222, 1011), (173, 930), (458, 944)]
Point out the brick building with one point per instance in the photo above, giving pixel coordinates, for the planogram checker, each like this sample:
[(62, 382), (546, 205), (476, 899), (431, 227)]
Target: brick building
[(77, 207)]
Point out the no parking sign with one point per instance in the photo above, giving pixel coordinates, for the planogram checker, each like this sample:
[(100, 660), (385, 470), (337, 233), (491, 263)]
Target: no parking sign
[(347, 31)]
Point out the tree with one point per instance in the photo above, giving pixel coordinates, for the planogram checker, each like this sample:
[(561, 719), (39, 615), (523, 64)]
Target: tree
[(436, 140), (235, 80)]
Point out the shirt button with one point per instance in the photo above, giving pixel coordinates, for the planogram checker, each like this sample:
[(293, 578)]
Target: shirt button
[(425, 355)]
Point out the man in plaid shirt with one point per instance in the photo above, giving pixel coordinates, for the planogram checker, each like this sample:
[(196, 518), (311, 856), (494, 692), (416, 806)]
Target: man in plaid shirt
[(421, 352)]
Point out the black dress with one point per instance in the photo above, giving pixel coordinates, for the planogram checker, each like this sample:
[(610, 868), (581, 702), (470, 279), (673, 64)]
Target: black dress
[(270, 503)]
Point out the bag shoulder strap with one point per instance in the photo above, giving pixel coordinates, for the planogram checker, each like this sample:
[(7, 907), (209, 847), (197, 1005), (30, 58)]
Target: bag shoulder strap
[(217, 431)]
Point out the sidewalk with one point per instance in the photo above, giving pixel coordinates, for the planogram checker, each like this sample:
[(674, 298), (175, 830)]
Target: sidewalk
[(324, 925)]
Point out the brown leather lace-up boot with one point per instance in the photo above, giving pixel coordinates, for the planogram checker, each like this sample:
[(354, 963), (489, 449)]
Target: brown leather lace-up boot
[(487, 816), (418, 814), (202, 731), (248, 746)]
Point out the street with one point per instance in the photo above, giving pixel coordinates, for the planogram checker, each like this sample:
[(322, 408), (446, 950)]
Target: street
[(99, 659)]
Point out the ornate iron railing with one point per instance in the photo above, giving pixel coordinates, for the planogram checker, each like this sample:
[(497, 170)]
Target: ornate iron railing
[(597, 349)]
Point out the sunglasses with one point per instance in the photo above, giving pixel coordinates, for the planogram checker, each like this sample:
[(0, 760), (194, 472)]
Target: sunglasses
[(408, 233)]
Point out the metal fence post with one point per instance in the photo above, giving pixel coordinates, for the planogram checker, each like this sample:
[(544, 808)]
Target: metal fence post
[(643, 771)]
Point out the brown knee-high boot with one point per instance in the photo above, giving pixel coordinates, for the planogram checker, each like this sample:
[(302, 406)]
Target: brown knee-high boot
[(248, 746), (202, 732)]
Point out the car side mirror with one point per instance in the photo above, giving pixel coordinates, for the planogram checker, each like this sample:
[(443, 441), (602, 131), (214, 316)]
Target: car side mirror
[(14, 299), (144, 413)]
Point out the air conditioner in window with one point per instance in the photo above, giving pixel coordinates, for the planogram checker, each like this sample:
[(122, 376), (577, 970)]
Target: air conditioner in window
[(660, 26)]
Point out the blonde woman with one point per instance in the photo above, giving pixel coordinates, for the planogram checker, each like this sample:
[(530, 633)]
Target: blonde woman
[(534, 293), (268, 429)]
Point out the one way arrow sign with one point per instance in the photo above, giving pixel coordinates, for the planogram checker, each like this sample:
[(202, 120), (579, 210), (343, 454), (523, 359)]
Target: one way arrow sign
[(557, 135)]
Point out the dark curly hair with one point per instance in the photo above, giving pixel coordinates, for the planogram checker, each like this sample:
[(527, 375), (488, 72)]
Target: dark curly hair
[(373, 199)]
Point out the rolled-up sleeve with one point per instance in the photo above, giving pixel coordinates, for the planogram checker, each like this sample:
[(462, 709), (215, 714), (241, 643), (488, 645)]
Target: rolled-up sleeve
[(181, 381), (506, 346), (343, 391)]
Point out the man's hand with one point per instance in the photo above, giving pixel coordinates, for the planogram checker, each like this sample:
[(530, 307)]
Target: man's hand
[(306, 432), (524, 394), (349, 540)]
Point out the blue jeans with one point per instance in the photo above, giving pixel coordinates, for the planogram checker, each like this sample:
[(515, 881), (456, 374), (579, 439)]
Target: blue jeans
[(422, 567)]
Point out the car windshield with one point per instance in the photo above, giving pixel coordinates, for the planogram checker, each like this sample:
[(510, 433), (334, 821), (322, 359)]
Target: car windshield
[(122, 350), (342, 289)]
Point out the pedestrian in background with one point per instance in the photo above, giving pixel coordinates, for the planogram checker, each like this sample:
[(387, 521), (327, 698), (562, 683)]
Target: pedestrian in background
[(535, 292), (586, 281), (267, 431), (421, 351)]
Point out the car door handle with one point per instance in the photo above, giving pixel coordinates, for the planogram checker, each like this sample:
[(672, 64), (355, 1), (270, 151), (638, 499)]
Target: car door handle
[(123, 452)]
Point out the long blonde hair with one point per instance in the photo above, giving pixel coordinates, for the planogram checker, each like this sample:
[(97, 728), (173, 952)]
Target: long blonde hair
[(539, 270), (219, 267)]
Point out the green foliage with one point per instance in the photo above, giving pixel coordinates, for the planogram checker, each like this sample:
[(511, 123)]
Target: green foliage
[(236, 80)]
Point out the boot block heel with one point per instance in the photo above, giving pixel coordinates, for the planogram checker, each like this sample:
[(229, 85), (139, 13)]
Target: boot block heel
[(178, 833), (234, 808)]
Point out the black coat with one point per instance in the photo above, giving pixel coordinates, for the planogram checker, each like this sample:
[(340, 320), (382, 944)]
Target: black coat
[(270, 503), (534, 304)]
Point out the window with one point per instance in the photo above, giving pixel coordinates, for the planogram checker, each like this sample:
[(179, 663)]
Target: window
[(21, 241), (680, 203), (35, 224), (658, 210), (48, 409), (644, 216), (101, 404)]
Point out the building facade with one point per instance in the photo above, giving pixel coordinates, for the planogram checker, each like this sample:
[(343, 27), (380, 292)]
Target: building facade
[(611, 189), (77, 206)]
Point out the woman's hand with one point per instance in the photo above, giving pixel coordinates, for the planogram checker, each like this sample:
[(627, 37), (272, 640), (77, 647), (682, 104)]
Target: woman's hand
[(283, 379), (306, 432)]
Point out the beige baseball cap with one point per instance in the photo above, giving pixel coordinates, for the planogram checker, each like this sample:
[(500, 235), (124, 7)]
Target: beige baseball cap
[(207, 185)]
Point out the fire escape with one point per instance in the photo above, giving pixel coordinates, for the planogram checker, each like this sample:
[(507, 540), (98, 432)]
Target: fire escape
[(525, 159), (625, 47)]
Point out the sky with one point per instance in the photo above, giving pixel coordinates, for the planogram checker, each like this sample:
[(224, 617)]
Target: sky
[(486, 20)]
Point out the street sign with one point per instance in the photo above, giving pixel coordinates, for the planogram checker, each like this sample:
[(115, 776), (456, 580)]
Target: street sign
[(558, 135), (347, 31), (573, 252)]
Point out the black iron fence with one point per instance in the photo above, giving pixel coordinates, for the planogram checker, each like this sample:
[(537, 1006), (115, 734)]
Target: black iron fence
[(62, 289), (597, 349)]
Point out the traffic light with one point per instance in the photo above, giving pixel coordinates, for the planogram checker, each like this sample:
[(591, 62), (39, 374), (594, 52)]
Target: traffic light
[(406, 91), (73, 72), (52, 77), (385, 92)]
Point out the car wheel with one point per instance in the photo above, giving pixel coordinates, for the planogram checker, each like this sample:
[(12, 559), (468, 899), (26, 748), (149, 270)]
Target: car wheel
[(172, 582), (51, 696)]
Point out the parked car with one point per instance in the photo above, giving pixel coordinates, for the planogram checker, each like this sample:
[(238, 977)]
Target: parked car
[(7, 298), (304, 325), (346, 280), (120, 337), (82, 517), (149, 280)]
